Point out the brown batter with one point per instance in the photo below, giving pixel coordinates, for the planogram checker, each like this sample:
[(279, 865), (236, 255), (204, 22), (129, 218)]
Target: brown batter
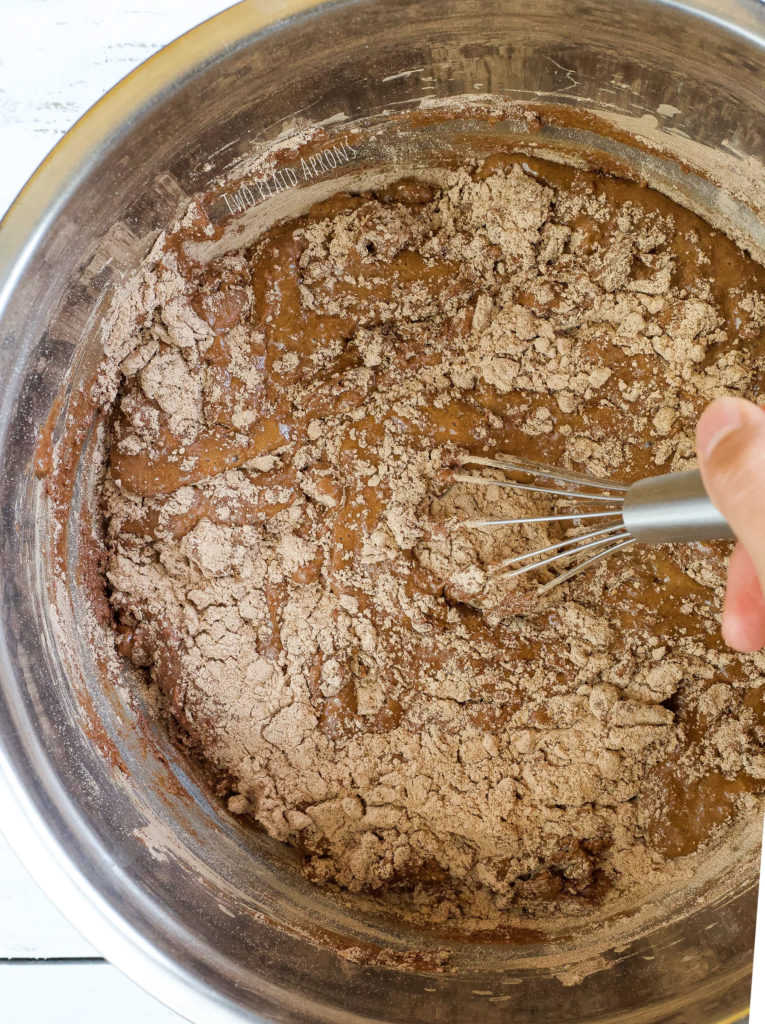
[(281, 558)]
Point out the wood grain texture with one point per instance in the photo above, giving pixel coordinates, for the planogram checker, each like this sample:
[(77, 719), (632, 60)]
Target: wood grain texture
[(30, 925), (57, 57), (84, 992)]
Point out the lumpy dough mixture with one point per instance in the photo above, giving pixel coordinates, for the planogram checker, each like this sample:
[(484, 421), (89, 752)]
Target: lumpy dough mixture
[(283, 563)]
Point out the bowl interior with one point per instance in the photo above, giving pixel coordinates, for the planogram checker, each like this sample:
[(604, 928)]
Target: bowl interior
[(210, 906)]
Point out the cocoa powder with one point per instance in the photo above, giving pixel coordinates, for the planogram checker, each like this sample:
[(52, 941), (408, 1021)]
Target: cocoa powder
[(285, 559)]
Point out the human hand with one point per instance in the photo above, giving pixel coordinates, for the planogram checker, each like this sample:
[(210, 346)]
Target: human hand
[(730, 439)]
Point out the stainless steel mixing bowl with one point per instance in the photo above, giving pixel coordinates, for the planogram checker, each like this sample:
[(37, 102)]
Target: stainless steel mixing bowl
[(216, 923)]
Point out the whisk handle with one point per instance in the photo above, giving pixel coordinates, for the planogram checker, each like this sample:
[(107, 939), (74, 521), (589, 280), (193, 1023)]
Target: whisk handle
[(675, 507)]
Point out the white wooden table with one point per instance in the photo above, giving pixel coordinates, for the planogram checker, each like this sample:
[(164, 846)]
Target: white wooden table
[(57, 57)]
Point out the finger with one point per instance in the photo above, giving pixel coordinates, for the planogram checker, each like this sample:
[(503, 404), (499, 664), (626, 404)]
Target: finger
[(731, 444), (743, 622)]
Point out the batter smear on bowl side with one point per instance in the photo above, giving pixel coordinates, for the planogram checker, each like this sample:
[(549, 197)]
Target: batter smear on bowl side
[(282, 560)]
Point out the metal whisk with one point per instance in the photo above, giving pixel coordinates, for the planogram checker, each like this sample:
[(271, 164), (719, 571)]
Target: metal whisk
[(611, 515)]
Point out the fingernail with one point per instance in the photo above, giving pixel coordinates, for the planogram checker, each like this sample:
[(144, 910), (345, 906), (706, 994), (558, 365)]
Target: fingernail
[(720, 419)]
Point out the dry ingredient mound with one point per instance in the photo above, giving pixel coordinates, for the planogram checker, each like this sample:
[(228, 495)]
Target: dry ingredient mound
[(283, 562)]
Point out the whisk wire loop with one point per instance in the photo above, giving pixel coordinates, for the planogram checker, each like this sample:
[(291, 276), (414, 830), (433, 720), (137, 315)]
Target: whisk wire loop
[(468, 478), (575, 570), (664, 509), (606, 533), (585, 490), (538, 469)]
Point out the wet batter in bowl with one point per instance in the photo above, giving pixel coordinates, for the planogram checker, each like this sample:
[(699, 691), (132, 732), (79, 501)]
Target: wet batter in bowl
[(281, 562)]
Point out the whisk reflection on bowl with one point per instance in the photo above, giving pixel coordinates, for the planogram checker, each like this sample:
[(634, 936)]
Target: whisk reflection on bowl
[(612, 515)]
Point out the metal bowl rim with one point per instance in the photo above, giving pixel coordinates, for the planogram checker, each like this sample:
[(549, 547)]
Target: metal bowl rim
[(22, 231)]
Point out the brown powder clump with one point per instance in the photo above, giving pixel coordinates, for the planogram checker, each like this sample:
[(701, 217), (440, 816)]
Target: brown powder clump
[(286, 559)]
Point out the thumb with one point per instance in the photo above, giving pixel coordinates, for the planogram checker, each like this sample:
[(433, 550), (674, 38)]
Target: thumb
[(730, 439)]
